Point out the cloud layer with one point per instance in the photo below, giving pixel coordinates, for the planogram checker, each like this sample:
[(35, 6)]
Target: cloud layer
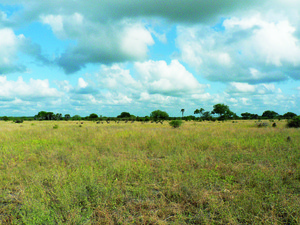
[(142, 55)]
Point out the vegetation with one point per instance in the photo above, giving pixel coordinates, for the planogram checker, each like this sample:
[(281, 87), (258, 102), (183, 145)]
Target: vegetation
[(289, 115), (175, 123), (221, 110), (149, 173), (270, 114), (159, 115), (295, 122)]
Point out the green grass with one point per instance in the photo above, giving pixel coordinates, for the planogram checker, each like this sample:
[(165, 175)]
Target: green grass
[(202, 173)]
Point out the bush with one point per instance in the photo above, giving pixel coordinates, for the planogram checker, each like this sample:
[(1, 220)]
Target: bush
[(55, 126), (295, 122), (175, 123)]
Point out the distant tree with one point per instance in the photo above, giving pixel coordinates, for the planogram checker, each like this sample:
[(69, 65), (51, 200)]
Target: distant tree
[(159, 115), (254, 116), (220, 109), (289, 115), (223, 111), (43, 115), (5, 118), (182, 111), (270, 114), (58, 116), (246, 115), (50, 116), (124, 115), (67, 117), (206, 115), (199, 111), (76, 117), (93, 116)]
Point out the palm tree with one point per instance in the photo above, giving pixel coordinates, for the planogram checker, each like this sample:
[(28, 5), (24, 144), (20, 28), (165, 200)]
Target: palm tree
[(197, 111), (182, 111)]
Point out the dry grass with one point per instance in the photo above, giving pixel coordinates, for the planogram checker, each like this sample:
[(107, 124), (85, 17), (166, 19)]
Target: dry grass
[(201, 173)]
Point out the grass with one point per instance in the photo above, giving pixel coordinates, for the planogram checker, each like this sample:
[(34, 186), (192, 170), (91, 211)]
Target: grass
[(202, 173)]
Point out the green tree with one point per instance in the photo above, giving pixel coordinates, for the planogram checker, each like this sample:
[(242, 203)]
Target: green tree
[(206, 115), (223, 110), (124, 115), (246, 115), (67, 117), (199, 111), (58, 116), (5, 118), (270, 114), (289, 115), (93, 116), (76, 117), (159, 115), (43, 115)]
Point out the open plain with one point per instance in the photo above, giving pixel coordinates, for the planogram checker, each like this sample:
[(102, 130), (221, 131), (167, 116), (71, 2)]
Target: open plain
[(65, 172)]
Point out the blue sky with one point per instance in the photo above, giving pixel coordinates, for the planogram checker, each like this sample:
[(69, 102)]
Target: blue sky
[(110, 56)]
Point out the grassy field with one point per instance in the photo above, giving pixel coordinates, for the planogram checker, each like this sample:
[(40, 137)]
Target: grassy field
[(200, 173)]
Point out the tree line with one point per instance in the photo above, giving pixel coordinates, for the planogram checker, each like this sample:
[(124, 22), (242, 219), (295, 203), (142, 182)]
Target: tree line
[(220, 112)]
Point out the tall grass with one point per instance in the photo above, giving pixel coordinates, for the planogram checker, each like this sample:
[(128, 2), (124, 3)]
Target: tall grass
[(202, 173)]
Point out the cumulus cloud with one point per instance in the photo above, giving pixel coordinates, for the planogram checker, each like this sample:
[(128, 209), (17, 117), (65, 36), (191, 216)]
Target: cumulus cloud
[(173, 79), (112, 31), (247, 50), (9, 45), (259, 89), (33, 90), (99, 42)]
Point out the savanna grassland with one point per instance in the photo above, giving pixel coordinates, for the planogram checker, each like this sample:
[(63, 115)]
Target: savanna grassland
[(133, 173)]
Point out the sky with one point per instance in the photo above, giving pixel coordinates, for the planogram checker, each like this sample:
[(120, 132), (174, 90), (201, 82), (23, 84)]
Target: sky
[(106, 57)]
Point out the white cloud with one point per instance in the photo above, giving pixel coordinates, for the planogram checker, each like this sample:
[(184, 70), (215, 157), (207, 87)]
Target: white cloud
[(135, 41), (173, 79), (34, 89), (55, 21), (254, 49), (98, 42), (82, 83), (116, 78), (260, 89), (9, 44)]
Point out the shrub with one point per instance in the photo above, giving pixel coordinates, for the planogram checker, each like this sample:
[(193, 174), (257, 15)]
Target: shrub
[(175, 123), (295, 122), (55, 126)]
